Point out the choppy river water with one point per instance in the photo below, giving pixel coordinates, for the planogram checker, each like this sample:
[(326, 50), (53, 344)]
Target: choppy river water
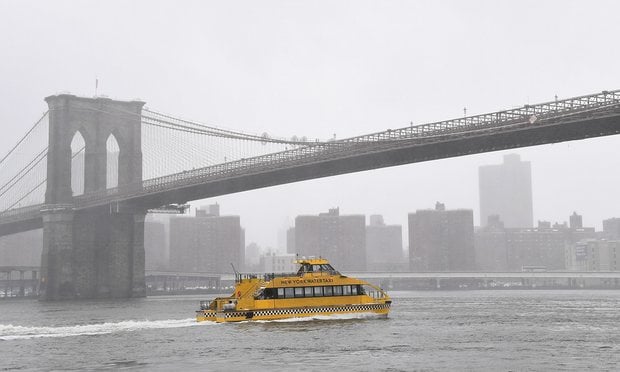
[(441, 330)]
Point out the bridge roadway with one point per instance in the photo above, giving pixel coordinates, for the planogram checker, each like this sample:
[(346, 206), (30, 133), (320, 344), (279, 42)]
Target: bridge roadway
[(551, 122)]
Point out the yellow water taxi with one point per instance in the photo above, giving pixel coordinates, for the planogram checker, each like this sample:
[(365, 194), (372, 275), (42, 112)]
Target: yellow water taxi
[(317, 289)]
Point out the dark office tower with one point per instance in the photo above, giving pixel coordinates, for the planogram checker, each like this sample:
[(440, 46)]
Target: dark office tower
[(441, 240), (340, 239), (506, 190), (206, 243), (611, 228), (384, 245), (576, 221)]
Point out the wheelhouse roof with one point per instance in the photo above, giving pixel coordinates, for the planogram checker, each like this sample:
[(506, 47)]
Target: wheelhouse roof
[(312, 261)]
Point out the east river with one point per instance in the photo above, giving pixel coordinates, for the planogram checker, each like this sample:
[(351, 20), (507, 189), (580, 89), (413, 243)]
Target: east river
[(502, 330)]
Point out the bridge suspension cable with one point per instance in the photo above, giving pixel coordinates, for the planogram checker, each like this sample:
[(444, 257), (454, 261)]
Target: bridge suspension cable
[(41, 183), (23, 172), (24, 167), (173, 145), (191, 145), (41, 120), (198, 128)]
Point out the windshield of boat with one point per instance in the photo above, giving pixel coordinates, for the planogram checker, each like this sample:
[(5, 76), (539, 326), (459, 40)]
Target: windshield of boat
[(322, 268)]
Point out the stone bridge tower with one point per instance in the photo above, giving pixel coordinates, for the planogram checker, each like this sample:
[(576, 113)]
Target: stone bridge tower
[(98, 252)]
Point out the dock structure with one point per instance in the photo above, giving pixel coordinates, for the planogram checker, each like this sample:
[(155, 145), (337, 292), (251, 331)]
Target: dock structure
[(19, 281), (23, 281), (170, 282)]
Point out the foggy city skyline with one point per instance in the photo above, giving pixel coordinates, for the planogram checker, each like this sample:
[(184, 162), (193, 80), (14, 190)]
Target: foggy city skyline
[(293, 69), (142, 105)]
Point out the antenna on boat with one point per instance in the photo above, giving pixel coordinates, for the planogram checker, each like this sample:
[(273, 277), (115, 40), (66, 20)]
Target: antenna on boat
[(234, 270)]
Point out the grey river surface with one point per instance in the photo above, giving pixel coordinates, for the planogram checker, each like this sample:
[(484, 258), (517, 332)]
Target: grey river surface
[(441, 330)]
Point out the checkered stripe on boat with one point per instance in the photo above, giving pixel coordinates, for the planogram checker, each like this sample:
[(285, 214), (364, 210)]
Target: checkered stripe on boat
[(308, 310)]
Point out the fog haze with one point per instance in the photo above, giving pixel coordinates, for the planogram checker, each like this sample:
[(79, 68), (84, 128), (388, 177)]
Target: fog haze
[(333, 67)]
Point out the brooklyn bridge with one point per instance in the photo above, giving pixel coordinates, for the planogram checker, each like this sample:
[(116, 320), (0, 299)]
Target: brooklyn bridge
[(89, 170)]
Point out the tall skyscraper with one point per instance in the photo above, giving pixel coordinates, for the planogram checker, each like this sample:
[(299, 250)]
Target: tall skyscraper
[(506, 191), (576, 221), (441, 240), (339, 238)]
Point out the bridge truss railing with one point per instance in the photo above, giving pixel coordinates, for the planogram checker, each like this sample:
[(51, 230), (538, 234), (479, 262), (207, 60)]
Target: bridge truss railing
[(499, 118), (596, 104), (20, 214)]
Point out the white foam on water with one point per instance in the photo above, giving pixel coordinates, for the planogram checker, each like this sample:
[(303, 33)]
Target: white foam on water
[(15, 332)]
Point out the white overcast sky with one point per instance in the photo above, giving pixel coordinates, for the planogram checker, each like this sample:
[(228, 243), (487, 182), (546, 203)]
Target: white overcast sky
[(317, 68)]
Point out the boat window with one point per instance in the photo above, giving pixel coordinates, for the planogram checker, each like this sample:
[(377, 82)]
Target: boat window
[(289, 292), (269, 293), (327, 291), (346, 290), (280, 292), (318, 291), (338, 290), (299, 292), (308, 291), (308, 268), (354, 290)]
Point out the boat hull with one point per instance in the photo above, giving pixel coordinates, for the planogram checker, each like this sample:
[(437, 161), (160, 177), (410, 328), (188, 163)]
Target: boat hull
[(377, 309)]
